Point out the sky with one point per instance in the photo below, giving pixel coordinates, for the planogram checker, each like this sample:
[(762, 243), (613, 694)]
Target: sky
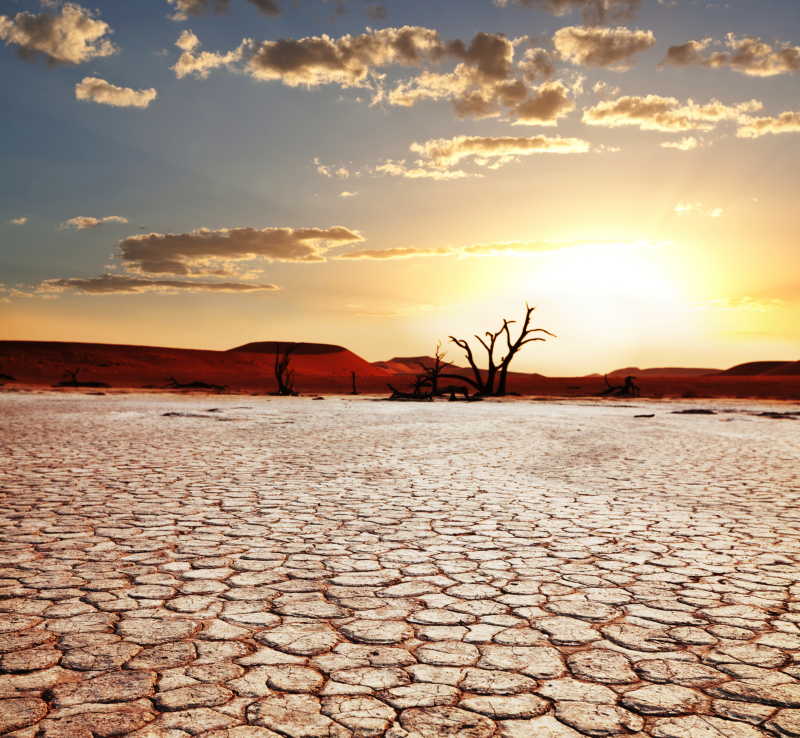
[(382, 174)]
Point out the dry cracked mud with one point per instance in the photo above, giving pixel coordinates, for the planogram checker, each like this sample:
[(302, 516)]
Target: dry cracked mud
[(354, 568)]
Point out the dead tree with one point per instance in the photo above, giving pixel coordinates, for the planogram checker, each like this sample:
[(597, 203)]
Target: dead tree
[(431, 373), (628, 389), (353, 377), (284, 375), (494, 379), (71, 380)]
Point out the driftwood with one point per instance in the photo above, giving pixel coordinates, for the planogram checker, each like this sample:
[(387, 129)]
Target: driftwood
[(173, 383), (628, 389), (414, 396), (73, 381)]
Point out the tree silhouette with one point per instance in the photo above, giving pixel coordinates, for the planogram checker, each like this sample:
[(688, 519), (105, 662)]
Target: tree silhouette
[(493, 380)]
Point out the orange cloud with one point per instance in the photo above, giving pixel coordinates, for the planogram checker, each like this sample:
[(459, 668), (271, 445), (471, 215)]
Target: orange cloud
[(114, 284), (396, 253)]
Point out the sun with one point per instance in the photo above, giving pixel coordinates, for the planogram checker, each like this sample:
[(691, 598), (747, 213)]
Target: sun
[(619, 273)]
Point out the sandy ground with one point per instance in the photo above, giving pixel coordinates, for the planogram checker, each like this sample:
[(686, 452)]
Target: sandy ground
[(344, 567)]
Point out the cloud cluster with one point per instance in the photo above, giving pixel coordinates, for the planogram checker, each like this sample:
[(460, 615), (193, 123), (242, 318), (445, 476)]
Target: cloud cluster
[(83, 222), (116, 284), (444, 153), (601, 47), (185, 8), (594, 12), (786, 122), (100, 91), (439, 158), (71, 36), (192, 61), (206, 251), (486, 80), (667, 114), (747, 55), (348, 61)]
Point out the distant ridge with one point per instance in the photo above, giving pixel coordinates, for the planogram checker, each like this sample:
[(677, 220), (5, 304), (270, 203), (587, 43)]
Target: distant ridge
[(406, 364), (770, 368), (270, 347), (665, 371)]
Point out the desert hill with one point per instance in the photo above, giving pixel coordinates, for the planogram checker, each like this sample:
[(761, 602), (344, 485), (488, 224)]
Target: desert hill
[(664, 371), (249, 366), (408, 364), (770, 368)]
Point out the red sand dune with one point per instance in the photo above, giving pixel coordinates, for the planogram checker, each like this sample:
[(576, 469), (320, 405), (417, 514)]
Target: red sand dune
[(323, 368)]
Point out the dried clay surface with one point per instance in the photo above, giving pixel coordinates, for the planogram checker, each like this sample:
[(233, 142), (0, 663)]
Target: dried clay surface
[(354, 568)]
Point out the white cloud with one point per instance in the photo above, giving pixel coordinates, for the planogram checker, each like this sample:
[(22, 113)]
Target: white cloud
[(102, 92), (667, 114), (446, 152), (687, 143), (601, 47), (697, 208), (747, 55), (399, 168), (185, 8), (82, 222), (593, 11), (786, 122), (71, 36)]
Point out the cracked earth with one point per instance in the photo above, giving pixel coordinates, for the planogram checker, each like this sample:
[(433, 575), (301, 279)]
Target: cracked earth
[(257, 568)]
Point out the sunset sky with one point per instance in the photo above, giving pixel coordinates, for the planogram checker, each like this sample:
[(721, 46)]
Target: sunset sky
[(380, 175)]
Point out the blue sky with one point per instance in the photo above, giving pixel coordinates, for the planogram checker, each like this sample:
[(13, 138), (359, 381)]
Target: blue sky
[(619, 227)]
